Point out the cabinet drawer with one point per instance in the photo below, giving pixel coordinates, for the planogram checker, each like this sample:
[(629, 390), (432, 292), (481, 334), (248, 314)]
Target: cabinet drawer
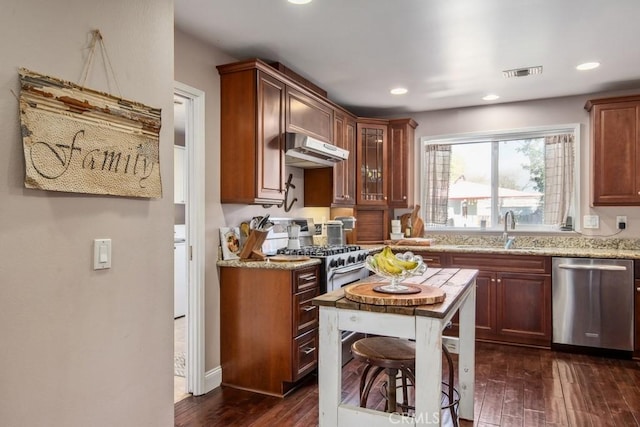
[(432, 259), (305, 279), (499, 262), (305, 314), (305, 354)]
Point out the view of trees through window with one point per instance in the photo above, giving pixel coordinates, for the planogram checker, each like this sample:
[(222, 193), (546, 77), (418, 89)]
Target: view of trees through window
[(474, 184)]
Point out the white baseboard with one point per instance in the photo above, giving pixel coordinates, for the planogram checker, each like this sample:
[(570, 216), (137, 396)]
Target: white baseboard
[(212, 379)]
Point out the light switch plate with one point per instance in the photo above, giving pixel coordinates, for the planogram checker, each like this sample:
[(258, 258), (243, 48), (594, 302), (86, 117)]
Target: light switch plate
[(101, 254), (591, 221)]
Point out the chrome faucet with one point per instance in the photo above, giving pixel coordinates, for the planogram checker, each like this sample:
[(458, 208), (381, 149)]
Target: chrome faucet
[(505, 236)]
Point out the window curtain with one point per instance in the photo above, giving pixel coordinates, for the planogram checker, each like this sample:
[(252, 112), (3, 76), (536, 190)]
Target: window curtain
[(558, 183), (438, 163)]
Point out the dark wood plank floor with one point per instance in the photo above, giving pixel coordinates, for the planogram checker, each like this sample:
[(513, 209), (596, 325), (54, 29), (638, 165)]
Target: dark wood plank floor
[(515, 386)]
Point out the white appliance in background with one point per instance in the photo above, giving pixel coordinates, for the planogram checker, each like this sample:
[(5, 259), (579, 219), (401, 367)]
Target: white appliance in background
[(179, 271)]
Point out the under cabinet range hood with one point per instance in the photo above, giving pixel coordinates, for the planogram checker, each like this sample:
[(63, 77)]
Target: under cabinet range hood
[(303, 151)]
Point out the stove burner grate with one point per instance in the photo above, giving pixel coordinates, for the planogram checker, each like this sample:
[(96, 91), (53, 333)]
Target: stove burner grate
[(320, 251)]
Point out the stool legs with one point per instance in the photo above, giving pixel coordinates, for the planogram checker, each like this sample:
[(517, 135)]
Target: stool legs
[(367, 381), (365, 386), (452, 405)]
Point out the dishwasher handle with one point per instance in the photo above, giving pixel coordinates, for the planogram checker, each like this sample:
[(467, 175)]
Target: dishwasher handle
[(604, 267)]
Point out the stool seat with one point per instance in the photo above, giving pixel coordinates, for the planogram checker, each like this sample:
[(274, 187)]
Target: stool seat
[(386, 352), (395, 355)]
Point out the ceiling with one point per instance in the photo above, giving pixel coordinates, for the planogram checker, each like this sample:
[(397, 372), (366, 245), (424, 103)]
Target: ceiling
[(447, 53)]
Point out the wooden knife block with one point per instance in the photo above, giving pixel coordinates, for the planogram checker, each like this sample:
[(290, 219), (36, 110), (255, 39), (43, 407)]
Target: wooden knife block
[(252, 249)]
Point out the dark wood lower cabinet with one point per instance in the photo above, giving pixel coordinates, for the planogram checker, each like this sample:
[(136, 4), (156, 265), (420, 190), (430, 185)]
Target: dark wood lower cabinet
[(636, 347), (485, 309), (524, 308), (513, 297), (268, 327)]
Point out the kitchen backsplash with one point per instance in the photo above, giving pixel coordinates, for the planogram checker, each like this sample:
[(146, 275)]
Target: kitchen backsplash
[(537, 241)]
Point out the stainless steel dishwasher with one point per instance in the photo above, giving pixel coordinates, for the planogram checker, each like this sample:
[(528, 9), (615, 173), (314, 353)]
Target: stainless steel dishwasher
[(592, 302)]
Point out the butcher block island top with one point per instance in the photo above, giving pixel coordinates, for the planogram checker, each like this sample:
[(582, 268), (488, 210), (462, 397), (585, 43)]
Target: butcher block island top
[(450, 281)]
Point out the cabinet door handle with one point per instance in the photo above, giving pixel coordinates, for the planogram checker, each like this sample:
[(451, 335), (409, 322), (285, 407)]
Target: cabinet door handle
[(309, 307), (638, 289), (493, 280), (499, 280), (309, 350), (404, 197)]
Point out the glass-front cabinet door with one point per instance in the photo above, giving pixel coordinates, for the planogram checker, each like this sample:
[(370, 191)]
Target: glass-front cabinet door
[(372, 163)]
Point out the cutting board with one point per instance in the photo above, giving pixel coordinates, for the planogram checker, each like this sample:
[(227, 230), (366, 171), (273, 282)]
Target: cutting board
[(412, 219), (364, 293), (288, 258)]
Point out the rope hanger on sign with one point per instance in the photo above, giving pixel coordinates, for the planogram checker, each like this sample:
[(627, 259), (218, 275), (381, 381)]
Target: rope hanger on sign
[(96, 38)]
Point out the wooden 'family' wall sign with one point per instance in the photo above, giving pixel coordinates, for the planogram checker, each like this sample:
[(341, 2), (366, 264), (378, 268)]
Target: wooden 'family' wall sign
[(84, 141)]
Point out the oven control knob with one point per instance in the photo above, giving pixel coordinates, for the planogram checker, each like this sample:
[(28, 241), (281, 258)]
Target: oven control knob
[(351, 260), (341, 261), (362, 257), (333, 263)]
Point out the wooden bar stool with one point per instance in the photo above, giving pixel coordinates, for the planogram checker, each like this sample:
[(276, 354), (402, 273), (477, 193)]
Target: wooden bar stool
[(393, 355)]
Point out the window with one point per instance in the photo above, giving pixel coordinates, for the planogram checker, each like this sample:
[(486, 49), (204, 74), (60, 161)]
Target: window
[(472, 181)]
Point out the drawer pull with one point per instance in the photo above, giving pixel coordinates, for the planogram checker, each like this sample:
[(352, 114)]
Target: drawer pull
[(309, 307), (309, 350)]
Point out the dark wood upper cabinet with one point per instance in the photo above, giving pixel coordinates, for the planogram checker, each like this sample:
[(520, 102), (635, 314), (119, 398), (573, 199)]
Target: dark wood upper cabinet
[(372, 163), (335, 187), (252, 135), (309, 115), (345, 171), (259, 105), (401, 162), (615, 135)]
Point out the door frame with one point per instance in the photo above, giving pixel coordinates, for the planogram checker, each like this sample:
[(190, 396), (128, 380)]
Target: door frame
[(195, 209)]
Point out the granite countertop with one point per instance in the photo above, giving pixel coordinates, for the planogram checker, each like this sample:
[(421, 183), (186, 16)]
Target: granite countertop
[(568, 246), (268, 264), (572, 246), (545, 251)]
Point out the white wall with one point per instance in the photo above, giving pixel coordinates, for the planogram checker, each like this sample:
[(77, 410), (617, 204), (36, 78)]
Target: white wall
[(83, 347), (195, 65), (530, 114)]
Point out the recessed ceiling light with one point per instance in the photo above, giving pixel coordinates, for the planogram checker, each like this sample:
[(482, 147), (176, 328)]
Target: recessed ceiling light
[(299, 1), (588, 66), (490, 97), (399, 91)]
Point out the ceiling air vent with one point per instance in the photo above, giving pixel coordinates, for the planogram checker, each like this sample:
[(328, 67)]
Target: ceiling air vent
[(522, 72)]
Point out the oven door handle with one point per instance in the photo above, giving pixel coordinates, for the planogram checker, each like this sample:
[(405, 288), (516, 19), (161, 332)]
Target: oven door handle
[(345, 271)]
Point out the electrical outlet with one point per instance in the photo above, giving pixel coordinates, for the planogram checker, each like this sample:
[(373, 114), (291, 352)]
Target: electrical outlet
[(621, 222), (591, 221)]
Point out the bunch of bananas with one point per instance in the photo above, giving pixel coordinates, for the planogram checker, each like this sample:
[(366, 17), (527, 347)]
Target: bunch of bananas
[(387, 263)]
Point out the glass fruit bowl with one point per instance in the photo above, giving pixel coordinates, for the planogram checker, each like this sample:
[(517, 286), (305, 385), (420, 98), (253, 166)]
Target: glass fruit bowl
[(395, 268)]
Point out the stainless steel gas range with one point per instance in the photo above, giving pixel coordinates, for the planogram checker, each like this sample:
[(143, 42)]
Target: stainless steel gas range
[(341, 265)]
